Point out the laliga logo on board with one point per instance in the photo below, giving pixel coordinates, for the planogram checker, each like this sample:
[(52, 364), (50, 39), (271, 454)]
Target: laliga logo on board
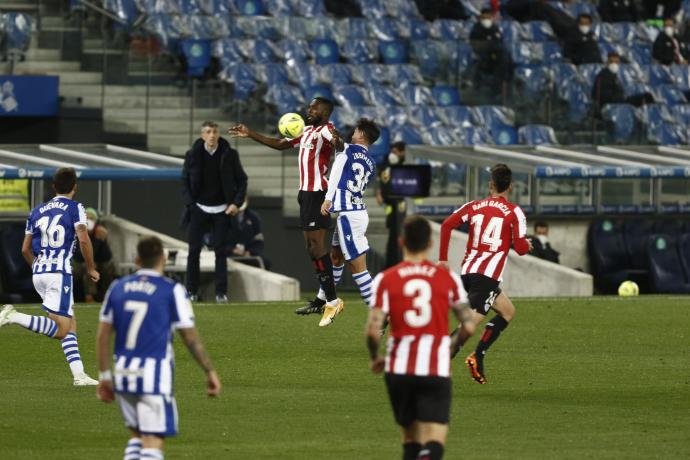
[(7, 100), (21, 172)]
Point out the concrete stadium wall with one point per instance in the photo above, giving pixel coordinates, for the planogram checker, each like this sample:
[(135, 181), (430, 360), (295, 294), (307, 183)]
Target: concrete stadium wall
[(245, 283), (524, 276)]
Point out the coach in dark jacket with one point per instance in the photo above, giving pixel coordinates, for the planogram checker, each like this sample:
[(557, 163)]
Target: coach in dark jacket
[(608, 88), (214, 186), (667, 49)]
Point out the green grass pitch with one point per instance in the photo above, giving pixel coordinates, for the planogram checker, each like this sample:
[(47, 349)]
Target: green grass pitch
[(592, 378)]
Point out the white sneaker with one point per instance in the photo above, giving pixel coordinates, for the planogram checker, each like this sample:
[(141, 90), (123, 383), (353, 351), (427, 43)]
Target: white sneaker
[(83, 380), (5, 314)]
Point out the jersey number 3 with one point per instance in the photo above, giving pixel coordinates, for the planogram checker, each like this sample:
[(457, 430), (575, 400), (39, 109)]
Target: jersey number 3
[(420, 292), (492, 234)]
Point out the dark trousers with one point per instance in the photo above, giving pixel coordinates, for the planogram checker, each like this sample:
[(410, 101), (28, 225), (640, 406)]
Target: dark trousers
[(394, 222), (199, 223)]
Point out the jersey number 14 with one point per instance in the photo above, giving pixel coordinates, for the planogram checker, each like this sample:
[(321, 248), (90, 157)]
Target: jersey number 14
[(491, 235)]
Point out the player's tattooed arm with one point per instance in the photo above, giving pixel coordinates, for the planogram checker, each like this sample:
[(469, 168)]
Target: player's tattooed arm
[(191, 339), (241, 130), (373, 332)]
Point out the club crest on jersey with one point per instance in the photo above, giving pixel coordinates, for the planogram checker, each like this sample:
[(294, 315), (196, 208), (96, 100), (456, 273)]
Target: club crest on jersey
[(309, 146), (66, 288)]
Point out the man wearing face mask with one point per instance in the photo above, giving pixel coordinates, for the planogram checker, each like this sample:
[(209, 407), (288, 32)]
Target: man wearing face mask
[(395, 207), (667, 48), (102, 256), (608, 89), (493, 63), (541, 245), (580, 44)]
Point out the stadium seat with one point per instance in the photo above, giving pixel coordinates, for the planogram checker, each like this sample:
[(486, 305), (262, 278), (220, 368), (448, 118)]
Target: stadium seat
[(538, 31), (537, 135), (665, 267), (393, 117), (493, 116), (620, 122), (272, 74), (325, 27), (658, 74), (654, 114), (681, 114), (228, 51), (358, 51), (424, 116), (388, 29), (607, 255), (417, 95), (419, 29), (461, 58), (308, 8), (325, 51), (670, 95), (350, 95), (439, 135), (534, 78), (472, 135), (393, 52), (286, 98), (681, 76), (640, 53), (250, 7), (365, 74), (636, 233), (449, 29), (243, 77), (619, 32), (294, 51), (589, 73), (404, 75), (318, 91), (456, 116), (124, 9), (428, 55), (670, 227), (408, 135), (198, 56), (337, 74), (383, 96), (665, 133), (445, 96), (306, 75), (168, 28), (263, 51), (356, 28), (511, 31)]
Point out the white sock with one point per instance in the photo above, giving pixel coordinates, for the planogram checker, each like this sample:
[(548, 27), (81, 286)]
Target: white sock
[(364, 282), (133, 449), (70, 348), (38, 324), (151, 454)]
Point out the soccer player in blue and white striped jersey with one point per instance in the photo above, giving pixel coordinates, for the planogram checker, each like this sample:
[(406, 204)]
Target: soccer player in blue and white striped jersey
[(52, 230), (350, 174), (143, 310)]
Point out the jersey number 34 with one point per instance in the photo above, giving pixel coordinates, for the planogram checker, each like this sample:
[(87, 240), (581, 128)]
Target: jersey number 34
[(361, 178)]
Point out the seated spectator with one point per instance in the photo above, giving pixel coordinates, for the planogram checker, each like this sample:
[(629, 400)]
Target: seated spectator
[(493, 60), (667, 49), (103, 257), (618, 11), (540, 242), (657, 9), (581, 45), (608, 89), (441, 9)]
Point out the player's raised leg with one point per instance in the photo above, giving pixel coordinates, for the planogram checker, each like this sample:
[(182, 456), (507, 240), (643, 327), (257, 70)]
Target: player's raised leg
[(38, 324)]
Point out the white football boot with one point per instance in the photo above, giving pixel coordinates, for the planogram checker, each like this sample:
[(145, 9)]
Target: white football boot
[(83, 380), (5, 314)]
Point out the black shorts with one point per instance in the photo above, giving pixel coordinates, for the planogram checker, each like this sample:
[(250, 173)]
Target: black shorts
[(481, 291), (426, 399), (310, 216)]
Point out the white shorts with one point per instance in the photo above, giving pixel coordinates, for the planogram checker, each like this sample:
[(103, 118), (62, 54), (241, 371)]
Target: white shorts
[(56, 291), (350, 233), (149, 414)]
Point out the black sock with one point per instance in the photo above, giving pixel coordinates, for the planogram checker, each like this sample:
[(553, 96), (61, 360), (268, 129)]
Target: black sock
[(324, 273), (491, 332), (410, 450), (318, 302), (432, 450)]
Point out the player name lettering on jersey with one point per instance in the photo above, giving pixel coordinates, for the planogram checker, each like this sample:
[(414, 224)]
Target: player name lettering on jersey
[(140, 286), (419, 270), (53, 205), (496, 204), (365, 157)]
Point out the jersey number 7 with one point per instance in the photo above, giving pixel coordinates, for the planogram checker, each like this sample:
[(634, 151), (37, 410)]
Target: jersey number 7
[(139, 309)]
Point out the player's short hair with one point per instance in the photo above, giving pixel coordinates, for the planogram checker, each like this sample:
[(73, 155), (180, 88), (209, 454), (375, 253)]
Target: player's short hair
[(540, 224), (613, 54), (584, 16), (400, 145), (325, 101), (486, 10), (64, 180), (501, 176), (209, 124), (369, 128), (416, 233), (150, 251)]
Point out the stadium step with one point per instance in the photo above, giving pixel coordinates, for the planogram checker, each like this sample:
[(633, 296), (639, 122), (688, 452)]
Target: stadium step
[(47, 67), (80, 77), (160, 113)]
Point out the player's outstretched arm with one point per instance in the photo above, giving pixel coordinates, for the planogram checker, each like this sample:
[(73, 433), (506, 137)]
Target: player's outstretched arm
[(373, 333), (27, 252), (241, 130), (191, 339), (104, 390), (87, 252)]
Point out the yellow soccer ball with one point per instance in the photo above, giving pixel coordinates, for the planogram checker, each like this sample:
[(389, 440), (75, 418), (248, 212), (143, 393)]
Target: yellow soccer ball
[(291, 125), (628, 289)]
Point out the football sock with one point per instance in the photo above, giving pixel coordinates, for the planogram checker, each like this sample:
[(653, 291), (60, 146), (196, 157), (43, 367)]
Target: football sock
[(432, 450), (70, 348), (491, 332), (410, 450), (133, 449), (151, 454), (364, 281), (38, 324), (324, 272), (337, 276)]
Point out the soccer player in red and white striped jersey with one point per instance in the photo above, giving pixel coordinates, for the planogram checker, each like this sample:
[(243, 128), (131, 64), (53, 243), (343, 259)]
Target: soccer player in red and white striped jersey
[(496, 224), (315, 151), (417, 295)]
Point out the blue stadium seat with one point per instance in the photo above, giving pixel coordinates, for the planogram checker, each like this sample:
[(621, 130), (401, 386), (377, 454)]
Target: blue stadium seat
[(428, 56), (493, 116), (379, 149), (324, 27), (657, 74), (681, 76), (338, 74), (228, 51), (503, 134), (456, 116), (124, 9), (445, 96), (278, 8), (198, 56), (589, 73), (665, 133), (472, 135), (263, 52), (169, 28), (640, 53), (449, 29), (563, 73), (417, 95), (405, 74), (294, 51), (356, 28), (286, 98), (653, 114), (621, 122), (350, 95), (258, 27), (393, 52), (325, 51), (308, 8), (371, 73), (216, 7), (534, 78), (15, 273), (537, 135), (419, 29), (208, 27), (272, 74), (306, 75), (243, 77), (424, 116), (579, 8), (636, 235), (608, 257), (619, 32), (670, 95), (672, 228), (461, 58), (383, 96), (681, 114), (636, 88), (665, 266), (511, 31), (439, 136), (250, 7), (408, 134), (358, 51), (318, 91), (388, 29), (538, 31), (394, 117)]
